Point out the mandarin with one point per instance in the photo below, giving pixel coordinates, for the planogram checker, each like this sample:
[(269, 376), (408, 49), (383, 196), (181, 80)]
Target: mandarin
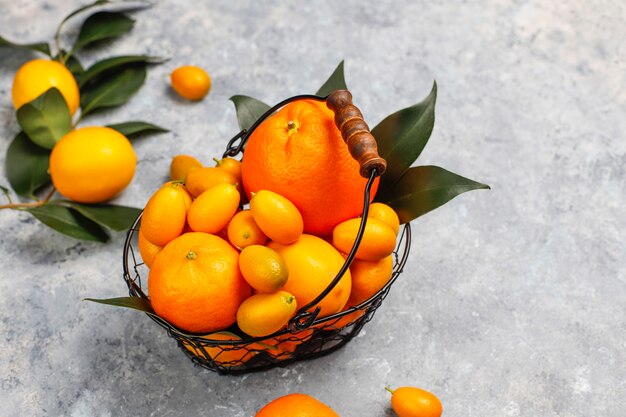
[(195, 283)]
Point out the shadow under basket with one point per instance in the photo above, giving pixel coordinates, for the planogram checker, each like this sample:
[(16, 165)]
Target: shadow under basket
[(307, 336)]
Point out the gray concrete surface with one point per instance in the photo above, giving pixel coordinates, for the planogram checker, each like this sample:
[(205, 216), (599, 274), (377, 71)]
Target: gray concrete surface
[(513, 300)]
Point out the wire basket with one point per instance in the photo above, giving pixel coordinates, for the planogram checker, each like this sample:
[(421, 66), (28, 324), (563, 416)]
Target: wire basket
[(306, 336)]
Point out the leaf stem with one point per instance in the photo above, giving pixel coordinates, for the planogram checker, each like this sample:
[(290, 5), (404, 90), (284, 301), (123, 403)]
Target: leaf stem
[(33, 204)]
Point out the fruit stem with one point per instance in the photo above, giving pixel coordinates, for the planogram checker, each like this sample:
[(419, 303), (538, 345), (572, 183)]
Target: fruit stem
[(191, 255), (33, 204), (389, 389), (218, 161)]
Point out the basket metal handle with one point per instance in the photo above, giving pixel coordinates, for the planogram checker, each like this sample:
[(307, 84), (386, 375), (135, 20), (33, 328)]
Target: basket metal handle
[(356, 133)]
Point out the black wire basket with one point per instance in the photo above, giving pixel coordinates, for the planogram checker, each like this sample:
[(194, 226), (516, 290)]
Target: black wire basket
[(307, 336)]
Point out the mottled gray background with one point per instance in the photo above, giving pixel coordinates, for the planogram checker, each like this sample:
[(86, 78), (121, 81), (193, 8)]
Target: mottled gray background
[(513, 301)]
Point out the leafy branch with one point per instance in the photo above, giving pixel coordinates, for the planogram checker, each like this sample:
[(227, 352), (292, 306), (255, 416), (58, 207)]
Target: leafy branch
[(108, 83)]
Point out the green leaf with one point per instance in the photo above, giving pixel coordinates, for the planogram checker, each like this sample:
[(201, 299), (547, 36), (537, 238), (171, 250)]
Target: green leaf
[(402, 136), (249, 110), (113, 90), (136, 128), (103, 25), (424, 188), (114, 63), (118, 218), (135, 303), (46, 119), (39, 47), (26, 165), (73, 64), (335, 82), (69, 222)]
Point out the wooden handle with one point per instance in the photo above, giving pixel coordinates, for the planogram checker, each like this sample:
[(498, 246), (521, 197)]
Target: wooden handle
[(356, 133)]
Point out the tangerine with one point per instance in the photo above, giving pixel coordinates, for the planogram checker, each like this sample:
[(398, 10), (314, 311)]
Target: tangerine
[(368, 277), (299, 153), (195, 283)]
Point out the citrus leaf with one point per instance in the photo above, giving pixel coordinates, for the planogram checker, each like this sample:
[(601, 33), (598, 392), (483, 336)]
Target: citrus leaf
[(82, 9), (108, 64), (136, 128), (69, 222), (46, 119), (249, 110), (118, 218), (336, 81), (73, 64), (424, 188), (134, 303), (402, 136), (39, 47), (26, 165), (113, 90), (103, 25)]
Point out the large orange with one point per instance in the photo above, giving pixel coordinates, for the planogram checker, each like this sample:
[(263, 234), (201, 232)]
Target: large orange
[(195, 283), (313, 263), (299, 153), (296, 405)]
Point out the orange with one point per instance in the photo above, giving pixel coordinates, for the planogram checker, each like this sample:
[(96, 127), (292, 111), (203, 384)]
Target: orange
[(299, 153), (92, 164), (368, 277), (385, 214), (213, 209), (191, 82), (263, 268), (243, 231), (200, 180), (182, 165), (147, 250), (39, 75), (195, 283), (223, 355), (414, 402), (277, 217), (264, 314), (296, 405), (313, 263), (377, 243), (165, 214)]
